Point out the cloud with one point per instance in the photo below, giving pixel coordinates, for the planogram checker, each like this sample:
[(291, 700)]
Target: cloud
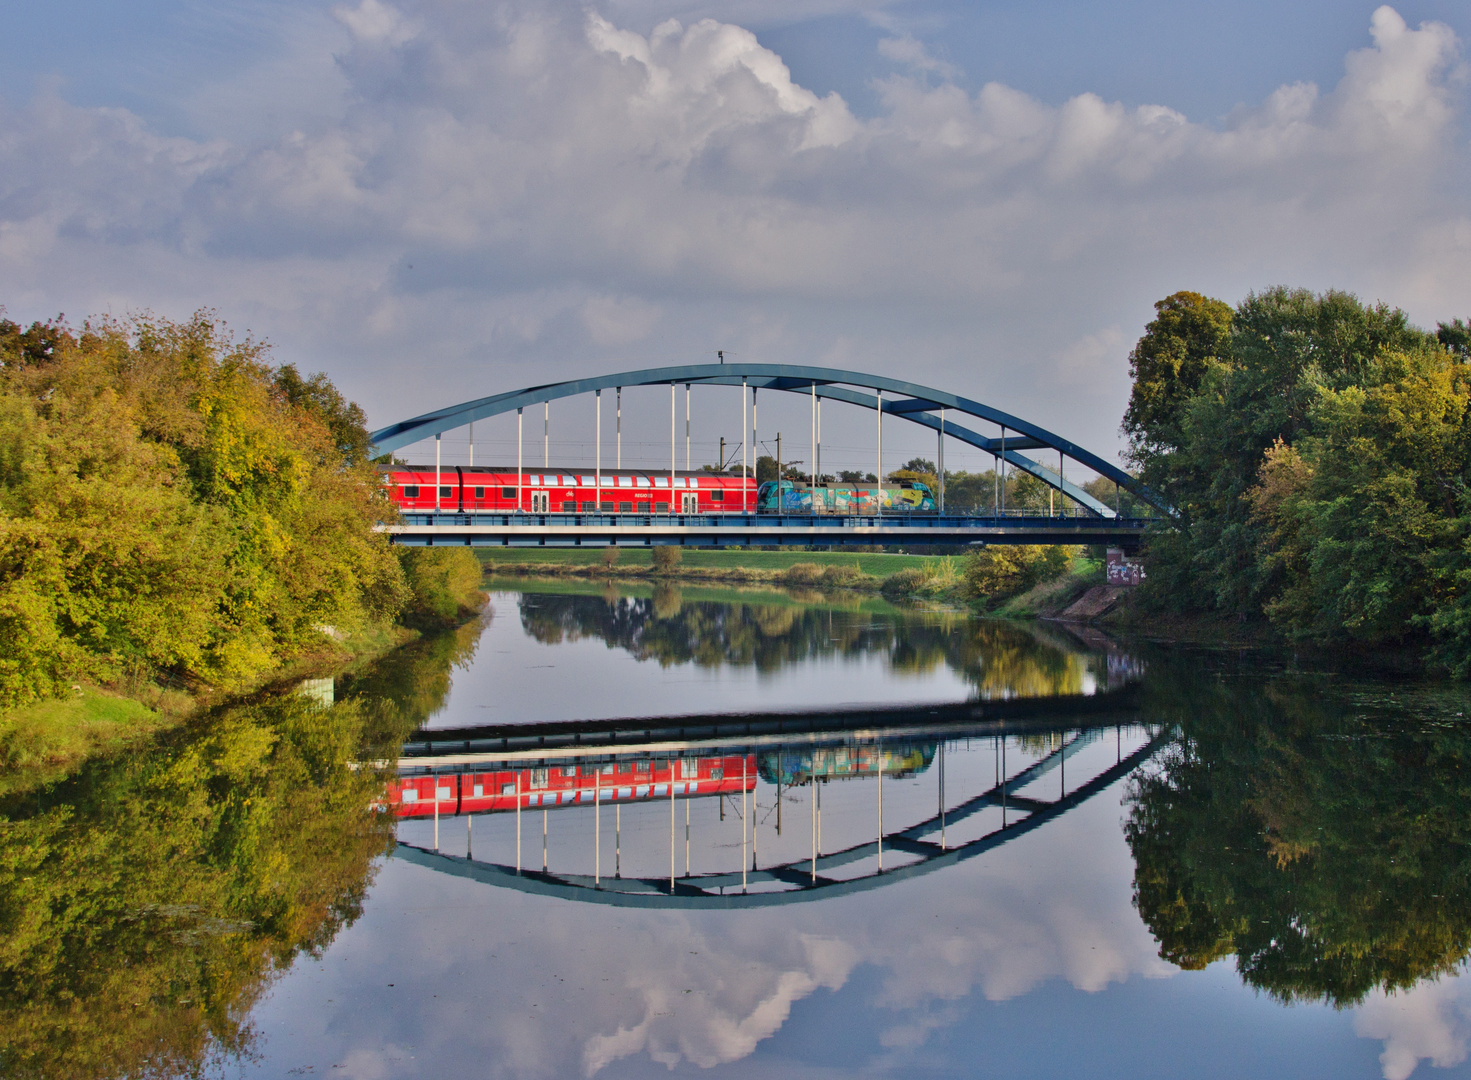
[(563, 186), (1431, 1020), (906, 49)]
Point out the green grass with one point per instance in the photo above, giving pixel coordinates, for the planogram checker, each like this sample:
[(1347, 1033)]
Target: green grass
[(45, 741), (778, 596), (877, 564)]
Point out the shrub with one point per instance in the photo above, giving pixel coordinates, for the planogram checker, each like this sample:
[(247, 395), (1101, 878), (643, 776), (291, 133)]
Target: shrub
[(903, 583), (1004, 570), (444, 583), (610, 557), (666, 559)]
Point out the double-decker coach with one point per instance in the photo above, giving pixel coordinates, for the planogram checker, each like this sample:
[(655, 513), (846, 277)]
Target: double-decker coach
[(467, 489), (499, 790)]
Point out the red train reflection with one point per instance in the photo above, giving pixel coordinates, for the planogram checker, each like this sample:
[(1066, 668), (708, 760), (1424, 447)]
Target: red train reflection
[(571, 785)]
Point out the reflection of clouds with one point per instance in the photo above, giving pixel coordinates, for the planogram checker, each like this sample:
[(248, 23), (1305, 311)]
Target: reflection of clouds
[(1056, 905), (530, 987), (1431, 1020), (708, 1014)]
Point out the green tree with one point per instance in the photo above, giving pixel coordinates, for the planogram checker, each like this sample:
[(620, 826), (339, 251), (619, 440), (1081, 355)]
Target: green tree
[(1189, 336), (170, 507)]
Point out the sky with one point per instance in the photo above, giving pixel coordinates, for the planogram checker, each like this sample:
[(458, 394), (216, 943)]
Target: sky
[(435, 200)]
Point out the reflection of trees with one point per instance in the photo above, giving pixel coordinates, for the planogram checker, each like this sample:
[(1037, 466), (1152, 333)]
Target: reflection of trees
[(1324, 842), (1000, 659), (146, 902), (409, 685)]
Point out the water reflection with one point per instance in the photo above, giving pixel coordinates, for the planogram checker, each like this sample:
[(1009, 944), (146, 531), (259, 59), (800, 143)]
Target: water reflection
[(147, 902), (997, 659), (997, 793), (1322, 839), (1301, 835)]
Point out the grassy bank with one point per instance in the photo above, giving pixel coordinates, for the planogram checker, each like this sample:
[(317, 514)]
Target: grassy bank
[(637, 562)]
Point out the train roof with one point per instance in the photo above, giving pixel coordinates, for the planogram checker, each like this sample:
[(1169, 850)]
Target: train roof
[(579, 470)]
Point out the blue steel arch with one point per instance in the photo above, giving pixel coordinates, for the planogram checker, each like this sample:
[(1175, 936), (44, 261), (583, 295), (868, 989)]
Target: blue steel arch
[(919, 405)]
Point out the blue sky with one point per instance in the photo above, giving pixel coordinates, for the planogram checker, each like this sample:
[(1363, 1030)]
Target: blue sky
[(988, 196)]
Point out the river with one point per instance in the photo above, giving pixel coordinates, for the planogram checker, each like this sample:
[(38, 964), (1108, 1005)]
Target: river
[(622, 831)]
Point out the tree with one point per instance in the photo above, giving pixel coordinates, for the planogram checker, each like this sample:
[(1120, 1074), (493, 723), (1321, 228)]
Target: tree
[(1189, 335), (1456, 337)]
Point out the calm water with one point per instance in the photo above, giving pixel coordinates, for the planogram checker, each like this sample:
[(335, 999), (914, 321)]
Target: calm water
[(791, 836)]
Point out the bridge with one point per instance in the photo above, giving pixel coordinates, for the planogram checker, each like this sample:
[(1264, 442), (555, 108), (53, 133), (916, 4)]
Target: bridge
[(791, 748), (1086, 518)]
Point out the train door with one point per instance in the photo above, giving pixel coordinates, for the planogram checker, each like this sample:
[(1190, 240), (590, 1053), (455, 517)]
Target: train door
[(689, 502), (541, 502)]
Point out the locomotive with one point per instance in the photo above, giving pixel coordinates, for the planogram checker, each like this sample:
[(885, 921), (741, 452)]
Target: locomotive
[(469, 489), (904, 497)]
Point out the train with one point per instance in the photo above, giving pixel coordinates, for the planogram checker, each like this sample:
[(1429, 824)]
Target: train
[(795, 497), (468, 489), (497, 790)]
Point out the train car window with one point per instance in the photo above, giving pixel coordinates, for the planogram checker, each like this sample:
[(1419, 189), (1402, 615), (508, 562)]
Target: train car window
[(480, 493), (569, 770), (679, 481), (569, 506), (506, 789), (642, 481), (588, 507), (625, 481), (411, 491), (607, 508), (625, 508), (717, 496), (643, 508), (508, 493), (642, 766), (661, 481), (587, 481), (446, 492), (661, 508)]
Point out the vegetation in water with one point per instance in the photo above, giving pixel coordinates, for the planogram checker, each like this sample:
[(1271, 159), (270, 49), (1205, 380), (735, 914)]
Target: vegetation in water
[(1318, 451)]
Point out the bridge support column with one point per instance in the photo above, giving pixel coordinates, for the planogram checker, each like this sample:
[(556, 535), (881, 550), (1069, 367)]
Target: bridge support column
[(597, 480), (745, 431), (940, 462), (518, 461), (879, 487), (436, 475), (546, 434)]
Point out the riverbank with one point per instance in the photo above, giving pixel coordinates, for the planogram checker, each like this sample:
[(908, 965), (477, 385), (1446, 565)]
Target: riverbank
[(45, 740)]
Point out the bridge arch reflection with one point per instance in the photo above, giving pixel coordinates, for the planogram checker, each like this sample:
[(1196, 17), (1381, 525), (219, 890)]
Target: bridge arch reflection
[(799, 766)]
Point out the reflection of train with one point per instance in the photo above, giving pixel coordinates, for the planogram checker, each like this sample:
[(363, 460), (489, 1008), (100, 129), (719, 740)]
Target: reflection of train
[(904, 497), (571, 785), (460, 489), (844, 762)]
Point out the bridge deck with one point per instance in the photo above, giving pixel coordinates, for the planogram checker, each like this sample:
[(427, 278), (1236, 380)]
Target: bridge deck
[(757, 530)]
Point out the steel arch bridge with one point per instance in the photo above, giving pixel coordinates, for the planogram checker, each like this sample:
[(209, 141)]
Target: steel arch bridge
[(908, 401)]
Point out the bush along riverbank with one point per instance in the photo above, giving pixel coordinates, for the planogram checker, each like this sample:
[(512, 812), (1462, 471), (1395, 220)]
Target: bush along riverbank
[(182, 521)]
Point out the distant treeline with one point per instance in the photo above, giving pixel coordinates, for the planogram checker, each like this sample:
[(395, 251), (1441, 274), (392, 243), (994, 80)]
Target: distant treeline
[(1318, 451), (173, 506)]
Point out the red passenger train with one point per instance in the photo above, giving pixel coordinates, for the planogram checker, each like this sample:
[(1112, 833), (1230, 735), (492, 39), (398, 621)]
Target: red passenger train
[(467, 489), (571, 785)]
